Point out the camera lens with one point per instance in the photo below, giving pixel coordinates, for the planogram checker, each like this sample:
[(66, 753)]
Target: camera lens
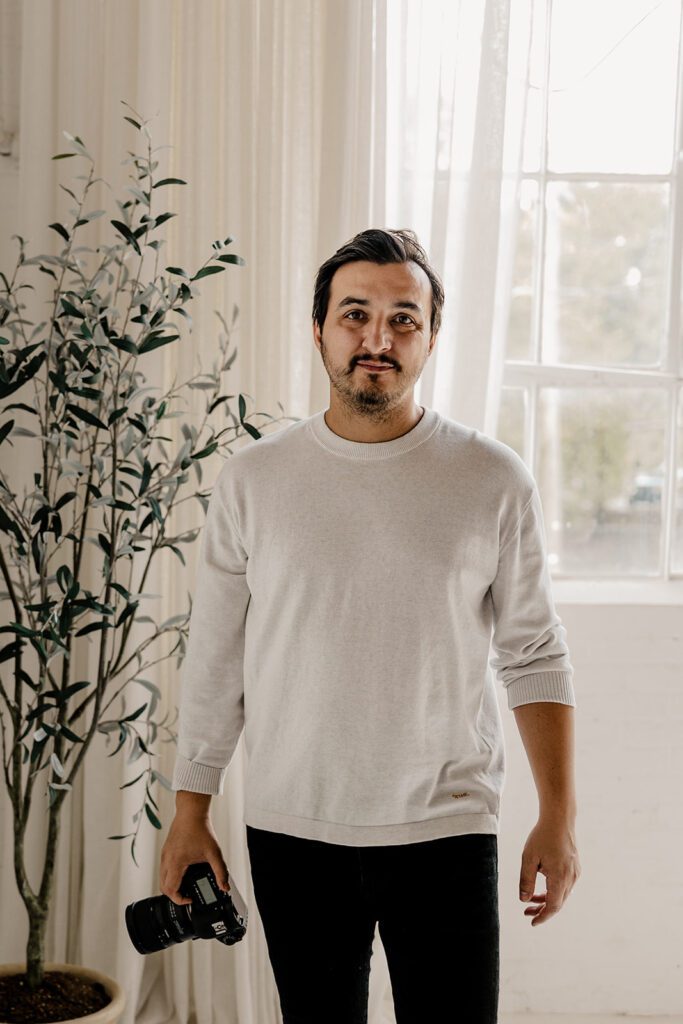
[(157, 922)]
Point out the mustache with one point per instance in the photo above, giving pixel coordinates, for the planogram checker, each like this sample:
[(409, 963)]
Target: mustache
[(379, 362)]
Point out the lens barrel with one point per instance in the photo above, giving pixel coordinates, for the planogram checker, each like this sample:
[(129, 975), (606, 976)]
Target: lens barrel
[(157, 922)]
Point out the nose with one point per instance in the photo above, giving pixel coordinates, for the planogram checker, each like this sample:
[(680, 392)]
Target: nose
[(377, 341)]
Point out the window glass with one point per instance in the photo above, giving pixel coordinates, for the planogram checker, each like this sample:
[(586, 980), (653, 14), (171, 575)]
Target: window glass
[(605, 274), (601, 470), (612, 89)]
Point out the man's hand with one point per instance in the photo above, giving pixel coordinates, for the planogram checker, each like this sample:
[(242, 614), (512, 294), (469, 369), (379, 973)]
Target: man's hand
[(191, 840), (550, 849)]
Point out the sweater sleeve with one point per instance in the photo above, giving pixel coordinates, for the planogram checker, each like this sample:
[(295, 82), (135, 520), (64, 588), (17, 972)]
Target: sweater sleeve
[(530, 653), (211, 712)]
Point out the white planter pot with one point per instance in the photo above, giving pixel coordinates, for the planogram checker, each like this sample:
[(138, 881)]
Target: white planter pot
[(109, 1014)]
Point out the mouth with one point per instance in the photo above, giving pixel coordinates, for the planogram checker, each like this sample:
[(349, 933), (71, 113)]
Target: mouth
[(375, 367)]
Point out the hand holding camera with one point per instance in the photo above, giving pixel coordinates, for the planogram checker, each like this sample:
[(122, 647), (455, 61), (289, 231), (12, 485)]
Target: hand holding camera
[(199, 898), (191, 840)]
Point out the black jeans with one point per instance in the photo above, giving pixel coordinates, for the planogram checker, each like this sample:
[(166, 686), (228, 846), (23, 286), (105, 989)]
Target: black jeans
[(436, 903)]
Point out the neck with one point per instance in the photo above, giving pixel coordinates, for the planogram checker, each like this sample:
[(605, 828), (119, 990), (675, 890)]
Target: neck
[(371, 430)]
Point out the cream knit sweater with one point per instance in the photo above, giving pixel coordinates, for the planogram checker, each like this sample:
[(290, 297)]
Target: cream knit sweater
[(356, 607)]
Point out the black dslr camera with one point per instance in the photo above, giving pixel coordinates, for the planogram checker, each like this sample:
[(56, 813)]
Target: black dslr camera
[(157, 922)]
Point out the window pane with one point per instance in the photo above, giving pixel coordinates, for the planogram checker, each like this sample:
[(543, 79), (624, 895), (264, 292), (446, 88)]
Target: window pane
[(677, 536), (600, 472), (511, 418), (605, 274), (612, 85)]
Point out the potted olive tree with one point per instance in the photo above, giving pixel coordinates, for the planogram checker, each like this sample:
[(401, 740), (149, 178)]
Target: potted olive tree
[(76, 394)]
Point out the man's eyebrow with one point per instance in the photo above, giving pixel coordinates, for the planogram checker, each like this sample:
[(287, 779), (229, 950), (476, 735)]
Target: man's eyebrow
[(351, 301)]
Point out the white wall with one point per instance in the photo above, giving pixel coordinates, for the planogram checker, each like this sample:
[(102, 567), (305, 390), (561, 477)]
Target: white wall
[(617, 945)]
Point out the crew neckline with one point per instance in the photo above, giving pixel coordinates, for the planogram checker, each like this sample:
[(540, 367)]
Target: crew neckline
[(371, 450)]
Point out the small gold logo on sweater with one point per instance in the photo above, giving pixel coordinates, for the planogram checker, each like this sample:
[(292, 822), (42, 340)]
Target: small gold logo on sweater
[(456, 796)]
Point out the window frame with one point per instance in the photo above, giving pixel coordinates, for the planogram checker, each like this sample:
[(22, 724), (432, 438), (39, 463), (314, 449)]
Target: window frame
[(531, 375)]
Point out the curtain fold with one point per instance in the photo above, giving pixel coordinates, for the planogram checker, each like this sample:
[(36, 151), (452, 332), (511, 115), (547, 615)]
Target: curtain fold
[(295, 124), (10, 50)]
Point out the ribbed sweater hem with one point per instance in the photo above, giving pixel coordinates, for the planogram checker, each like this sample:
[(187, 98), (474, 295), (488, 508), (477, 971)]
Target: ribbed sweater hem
[(370, 835)]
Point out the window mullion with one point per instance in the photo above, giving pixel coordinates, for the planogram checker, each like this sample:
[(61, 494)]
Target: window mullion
[(531, 433), (674, 353)]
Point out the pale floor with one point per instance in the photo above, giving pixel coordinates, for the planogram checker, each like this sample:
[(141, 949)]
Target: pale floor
[(382, 1000), (571, 1018), (388, 1017), (387, 1011), (561, 1018)]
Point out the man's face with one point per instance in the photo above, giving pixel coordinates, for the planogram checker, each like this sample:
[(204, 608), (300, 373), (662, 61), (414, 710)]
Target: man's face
[(376, 330)]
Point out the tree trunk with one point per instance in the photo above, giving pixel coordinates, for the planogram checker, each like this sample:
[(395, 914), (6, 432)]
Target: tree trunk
[(37, 905), (35, 949)]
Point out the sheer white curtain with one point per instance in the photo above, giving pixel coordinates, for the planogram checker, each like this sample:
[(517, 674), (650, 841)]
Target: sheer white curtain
[(296, 124)]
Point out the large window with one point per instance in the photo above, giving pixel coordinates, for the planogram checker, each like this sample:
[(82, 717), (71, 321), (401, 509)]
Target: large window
[(593, 385)]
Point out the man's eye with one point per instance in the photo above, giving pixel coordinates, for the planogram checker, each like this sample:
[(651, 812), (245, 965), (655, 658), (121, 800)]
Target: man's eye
[(409, 319)]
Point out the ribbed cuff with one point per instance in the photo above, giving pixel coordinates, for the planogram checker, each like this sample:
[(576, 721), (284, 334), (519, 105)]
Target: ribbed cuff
[(196, 777), (554, 685)]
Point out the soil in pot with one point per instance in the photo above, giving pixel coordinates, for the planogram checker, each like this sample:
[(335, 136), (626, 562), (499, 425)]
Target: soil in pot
[(60, 997)]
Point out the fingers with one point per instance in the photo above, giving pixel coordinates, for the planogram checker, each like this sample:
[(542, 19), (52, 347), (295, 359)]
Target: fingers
[(189, 842), (535, 911), (176, 895), (547, 908), (220, 870), (171, 887), (178, 899), (171, 876), (171, 884)]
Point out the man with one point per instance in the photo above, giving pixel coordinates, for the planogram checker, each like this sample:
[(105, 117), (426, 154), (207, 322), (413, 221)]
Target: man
[(352, 568)]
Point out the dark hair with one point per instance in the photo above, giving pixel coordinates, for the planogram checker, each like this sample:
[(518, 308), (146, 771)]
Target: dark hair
[(378, 246)]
